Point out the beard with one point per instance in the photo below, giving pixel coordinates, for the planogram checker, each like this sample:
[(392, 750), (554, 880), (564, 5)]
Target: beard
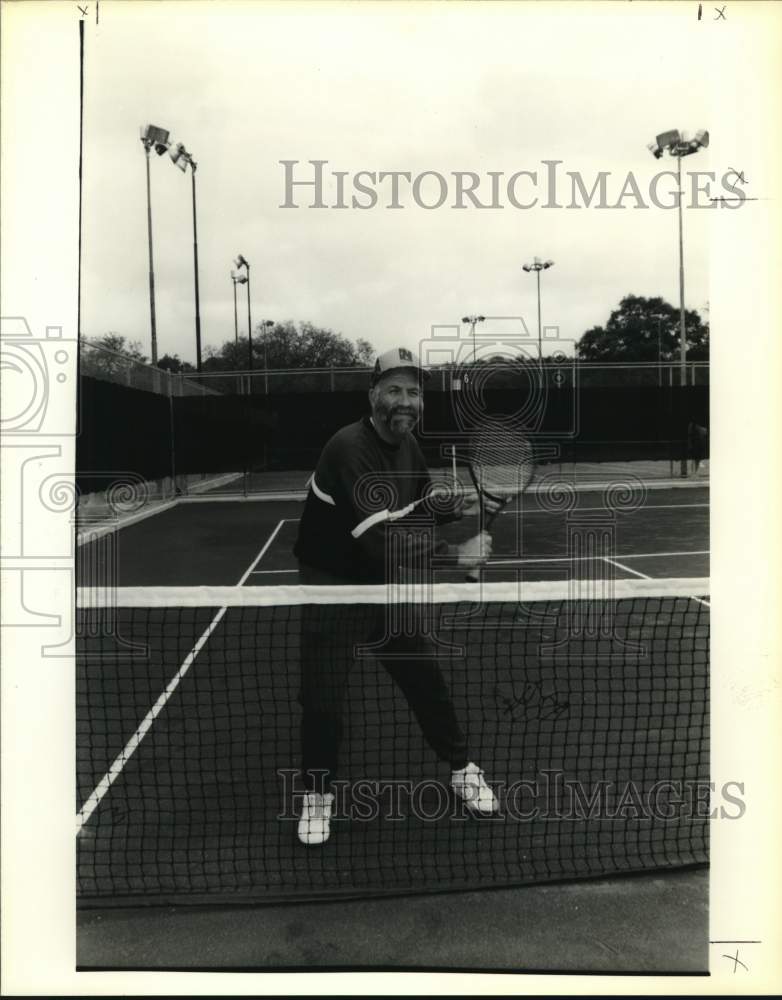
[(398, 420)]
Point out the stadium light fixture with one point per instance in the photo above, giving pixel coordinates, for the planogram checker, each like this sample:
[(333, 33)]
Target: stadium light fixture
[(152, 137), (678, 144), (155, 138), (537, 266), (179, 156)]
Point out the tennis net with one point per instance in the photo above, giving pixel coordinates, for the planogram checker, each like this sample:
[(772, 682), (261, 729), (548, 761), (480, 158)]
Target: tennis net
[(584, 702)]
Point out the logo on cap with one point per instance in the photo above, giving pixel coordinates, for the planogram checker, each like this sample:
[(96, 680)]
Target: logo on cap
[(397, 357)]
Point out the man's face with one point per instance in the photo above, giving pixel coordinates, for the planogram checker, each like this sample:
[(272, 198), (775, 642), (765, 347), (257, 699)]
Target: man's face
[(397, 402)]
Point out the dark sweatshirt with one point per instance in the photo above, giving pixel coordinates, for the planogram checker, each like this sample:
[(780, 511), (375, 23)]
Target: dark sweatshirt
[(358, 477)]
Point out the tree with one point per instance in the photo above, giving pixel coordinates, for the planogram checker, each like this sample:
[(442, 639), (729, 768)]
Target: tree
[(118, 344), (112, 354), (286, 345), (365, 352), (173, 363), (631, 333)]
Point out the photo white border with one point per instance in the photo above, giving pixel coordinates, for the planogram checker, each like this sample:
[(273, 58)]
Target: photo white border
[(39, 204)]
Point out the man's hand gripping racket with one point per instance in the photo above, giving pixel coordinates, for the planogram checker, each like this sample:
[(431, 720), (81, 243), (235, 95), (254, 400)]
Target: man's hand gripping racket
[(502, 466)]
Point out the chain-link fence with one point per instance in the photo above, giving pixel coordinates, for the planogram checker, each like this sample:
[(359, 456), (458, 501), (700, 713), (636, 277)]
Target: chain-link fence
[(586, 374), (99, 362)]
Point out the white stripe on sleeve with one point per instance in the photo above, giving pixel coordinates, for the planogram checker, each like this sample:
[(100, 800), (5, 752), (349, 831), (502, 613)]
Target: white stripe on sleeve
[(383, 515), (321, 495)]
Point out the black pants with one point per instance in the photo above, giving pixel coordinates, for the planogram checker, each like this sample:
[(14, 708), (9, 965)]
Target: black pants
[(330, 637)]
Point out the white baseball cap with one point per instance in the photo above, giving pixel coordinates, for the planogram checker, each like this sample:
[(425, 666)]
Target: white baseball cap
[(396, 359)]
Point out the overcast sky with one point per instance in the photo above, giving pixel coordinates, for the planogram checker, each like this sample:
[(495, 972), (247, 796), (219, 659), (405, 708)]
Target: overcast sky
[(380, 88)]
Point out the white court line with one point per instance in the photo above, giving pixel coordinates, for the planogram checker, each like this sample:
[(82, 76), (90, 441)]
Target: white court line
[(134, 742), (636, 510), (644, 576), (108, 779), (615, 562), (268, 572), (631, 555), (262, 553), (282, 496)]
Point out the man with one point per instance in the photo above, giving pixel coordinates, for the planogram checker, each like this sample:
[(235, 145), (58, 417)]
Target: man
[(343, 541), (698, 444)]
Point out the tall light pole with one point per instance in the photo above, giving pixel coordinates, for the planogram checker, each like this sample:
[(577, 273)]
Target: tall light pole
[(152, 137), (237, 279), (183, 160), (265, 324), (678, 145), (537, 266), (472, 320), (240, 263), (659, 317)]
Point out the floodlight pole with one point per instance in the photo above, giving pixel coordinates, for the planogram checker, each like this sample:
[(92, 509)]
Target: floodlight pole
[(540, 327), (242, 262), (537, 266), (249, 332), (679, 145), (266, 324), (472, 320), (153, 329), (152, 136), (195, 268), (682, 331), (182, 159), (236, 315)]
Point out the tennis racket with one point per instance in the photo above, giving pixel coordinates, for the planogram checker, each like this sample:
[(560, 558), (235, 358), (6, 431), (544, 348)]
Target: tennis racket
[(502, 466)]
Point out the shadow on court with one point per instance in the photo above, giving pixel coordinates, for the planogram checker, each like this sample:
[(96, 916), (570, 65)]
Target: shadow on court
[(646, 923)]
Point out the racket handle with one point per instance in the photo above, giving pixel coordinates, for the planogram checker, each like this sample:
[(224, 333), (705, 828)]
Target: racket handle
[(473, 575)]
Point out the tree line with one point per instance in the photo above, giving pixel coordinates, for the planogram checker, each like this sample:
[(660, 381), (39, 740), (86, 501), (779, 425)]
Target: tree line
[(283, 345), (642, 329), (638, 330)]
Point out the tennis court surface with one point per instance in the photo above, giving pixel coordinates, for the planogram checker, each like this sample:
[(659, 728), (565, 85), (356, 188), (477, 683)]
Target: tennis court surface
[(584, 691)]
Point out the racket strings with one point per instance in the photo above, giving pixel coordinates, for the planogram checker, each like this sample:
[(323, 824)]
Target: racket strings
[(503, 462)]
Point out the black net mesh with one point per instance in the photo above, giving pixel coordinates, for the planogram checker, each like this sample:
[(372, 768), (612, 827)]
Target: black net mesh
[(589, 719)]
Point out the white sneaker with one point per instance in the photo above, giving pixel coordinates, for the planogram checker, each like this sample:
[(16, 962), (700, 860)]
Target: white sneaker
[(315, 819), (469, 785)]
